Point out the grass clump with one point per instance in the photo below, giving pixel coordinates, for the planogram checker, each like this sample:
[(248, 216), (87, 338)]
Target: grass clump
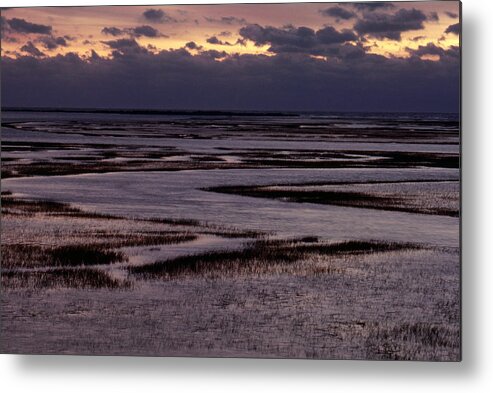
[(28, 208), (77, 255), (57, 278), (259, 257), (338, 198), (414, 341), (27, 255), (113, 240)]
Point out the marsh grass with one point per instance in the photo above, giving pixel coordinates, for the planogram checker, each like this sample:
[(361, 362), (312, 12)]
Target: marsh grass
[(142, 238), (260, 257), (25, 207), (339, 198), (77, 255), (26, 255), (413, 341), (230, 232), (384, 159), (62, 168), (152, 161), (84, 278)]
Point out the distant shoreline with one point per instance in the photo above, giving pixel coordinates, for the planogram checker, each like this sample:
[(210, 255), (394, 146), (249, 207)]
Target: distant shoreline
[(188, 112)]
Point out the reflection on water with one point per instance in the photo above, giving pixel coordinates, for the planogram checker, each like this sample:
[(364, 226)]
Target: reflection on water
[(178, 195)]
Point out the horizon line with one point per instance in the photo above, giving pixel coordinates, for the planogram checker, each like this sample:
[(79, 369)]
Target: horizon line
[(202, 111)]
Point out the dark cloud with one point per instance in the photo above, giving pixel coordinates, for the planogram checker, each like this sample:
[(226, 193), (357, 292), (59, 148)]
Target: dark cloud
[(138, 78), (25, 27), (113, 31), (4, 25), (145, 31), (127, 46), (12, 40), (338, 12), (31, 49), (382, 25), (301, 37), (329, 35), (216, 41), (433, 16), (292, 39), (193, 45), (225, 34), (139, 31), (451, 14), (227, 20), (453, 29), (52, 43), (214, 54), (153, 15), (158, 16), (241, 41), (453, 53), (370, 6), (94, 56)]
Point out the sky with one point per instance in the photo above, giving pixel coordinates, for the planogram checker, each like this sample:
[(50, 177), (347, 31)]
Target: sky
[(385, 56)]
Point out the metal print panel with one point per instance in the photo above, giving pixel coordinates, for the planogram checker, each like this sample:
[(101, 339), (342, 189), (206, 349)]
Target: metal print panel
[(238, 180)]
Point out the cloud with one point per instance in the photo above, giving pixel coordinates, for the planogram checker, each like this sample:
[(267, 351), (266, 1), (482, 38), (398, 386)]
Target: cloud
[(329, 35), (10, 39), (192, 45), (216, 41), (4, 25), (137, 78), (157, 16), (113, 31), (431, 49), (390, 26), (451, 14), (453, 29), (370, 6), (31, 49), (94, 56), (290, 39), (25, 27), (146, 31), (52, 43), (139, 31), (226, 20), (338, 12), (302, 36), (127, 46), (213, 54), (433, 16)]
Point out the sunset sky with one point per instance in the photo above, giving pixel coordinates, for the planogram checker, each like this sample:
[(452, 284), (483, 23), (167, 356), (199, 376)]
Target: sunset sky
[(318, 56)]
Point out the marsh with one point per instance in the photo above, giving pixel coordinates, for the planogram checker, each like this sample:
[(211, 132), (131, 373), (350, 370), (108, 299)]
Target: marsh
[(214, 234)]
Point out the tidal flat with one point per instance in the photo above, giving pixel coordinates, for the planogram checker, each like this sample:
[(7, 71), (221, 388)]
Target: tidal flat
[(300, 236)]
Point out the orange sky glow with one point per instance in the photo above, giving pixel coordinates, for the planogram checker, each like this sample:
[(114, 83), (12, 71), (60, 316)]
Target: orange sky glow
[(83, 27)]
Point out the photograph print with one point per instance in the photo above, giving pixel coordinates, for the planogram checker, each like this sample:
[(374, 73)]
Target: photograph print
[(232, 180)]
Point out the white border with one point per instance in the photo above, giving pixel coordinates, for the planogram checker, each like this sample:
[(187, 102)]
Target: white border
[(111, 374)]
